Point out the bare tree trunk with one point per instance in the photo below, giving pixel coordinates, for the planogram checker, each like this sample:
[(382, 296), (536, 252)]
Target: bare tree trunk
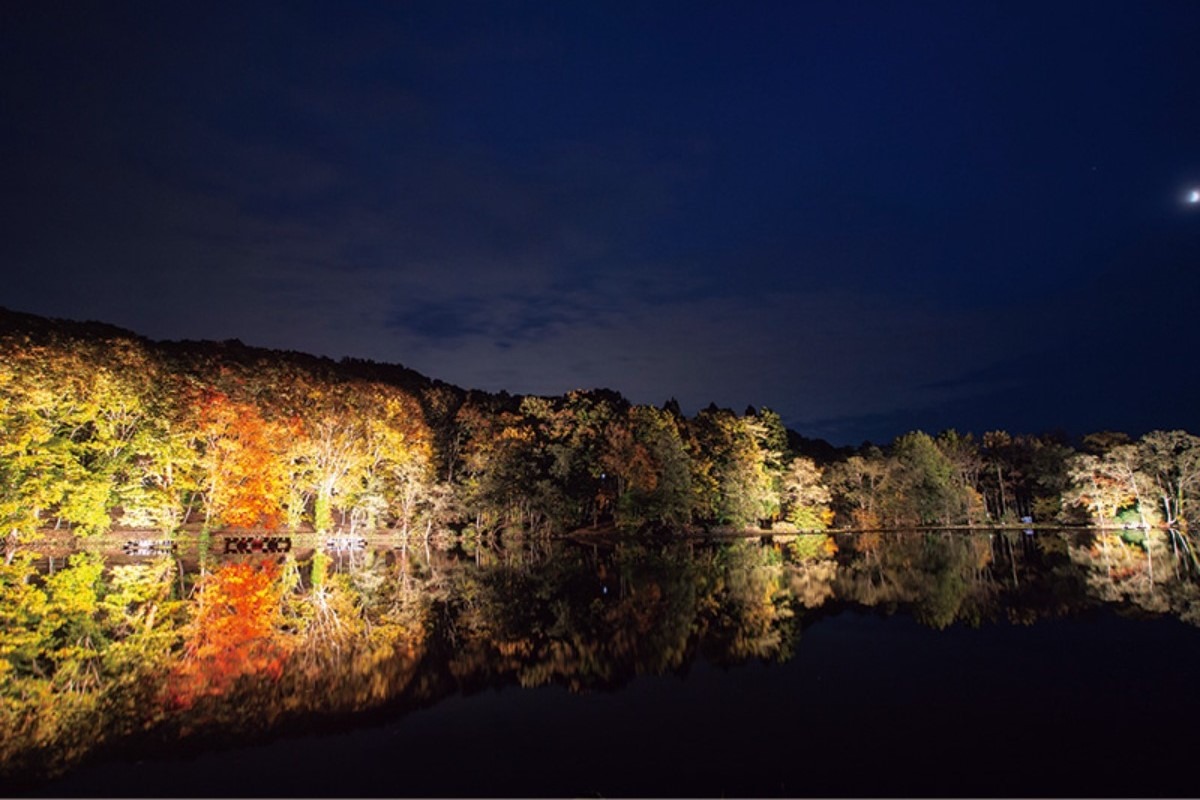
[(1167, 511)]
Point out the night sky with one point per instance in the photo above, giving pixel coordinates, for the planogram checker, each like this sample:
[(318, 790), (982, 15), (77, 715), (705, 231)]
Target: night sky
[(870, 217)]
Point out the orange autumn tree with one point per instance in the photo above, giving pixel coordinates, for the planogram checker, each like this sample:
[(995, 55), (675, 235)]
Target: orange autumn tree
[(235, 633), (243, 461)]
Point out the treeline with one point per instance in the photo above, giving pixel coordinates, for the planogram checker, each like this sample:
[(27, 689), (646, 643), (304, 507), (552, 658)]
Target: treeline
[(102, 428)]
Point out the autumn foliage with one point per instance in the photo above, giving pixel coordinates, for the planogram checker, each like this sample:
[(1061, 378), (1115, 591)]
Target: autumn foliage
[(234, 634), (241, 459), (99, 428)]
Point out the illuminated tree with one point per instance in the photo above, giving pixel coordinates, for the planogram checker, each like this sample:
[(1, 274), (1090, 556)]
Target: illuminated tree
[(996, 445), (576, 433), (397, 473), (1124, 462), (859, 485), (742, 467), (653, 472), (966, 464), (924, 489), (79, 424), (806, 498), (1171, 460), (499, 468), (541, 466), (334, 453), (38, 421), (242, 457), (1098, 486)]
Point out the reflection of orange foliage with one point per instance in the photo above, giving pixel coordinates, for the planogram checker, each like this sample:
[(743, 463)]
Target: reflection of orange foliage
[(646, 611), (867, 542), (233, 634)]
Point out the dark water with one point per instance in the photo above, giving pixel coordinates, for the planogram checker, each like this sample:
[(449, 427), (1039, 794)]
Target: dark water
[(919, 666)]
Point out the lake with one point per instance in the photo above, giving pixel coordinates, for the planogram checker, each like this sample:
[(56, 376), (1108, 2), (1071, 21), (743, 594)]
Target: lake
[(919, 663)]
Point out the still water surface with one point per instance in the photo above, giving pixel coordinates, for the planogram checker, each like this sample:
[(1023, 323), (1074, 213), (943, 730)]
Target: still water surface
[(920, 663)]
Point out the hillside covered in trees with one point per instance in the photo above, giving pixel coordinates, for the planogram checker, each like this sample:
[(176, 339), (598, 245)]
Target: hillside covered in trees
[(103, 429)]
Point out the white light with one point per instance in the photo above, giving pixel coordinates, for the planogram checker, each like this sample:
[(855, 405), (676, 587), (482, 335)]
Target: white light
[(1194, 196)]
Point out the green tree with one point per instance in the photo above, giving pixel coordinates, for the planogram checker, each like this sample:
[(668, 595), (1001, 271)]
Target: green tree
[(924, 491), (77, 432), (742, 469), (962, 451), (653, 471)]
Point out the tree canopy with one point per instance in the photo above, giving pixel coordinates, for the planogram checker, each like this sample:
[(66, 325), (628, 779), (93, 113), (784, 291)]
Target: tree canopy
[(101, 429)]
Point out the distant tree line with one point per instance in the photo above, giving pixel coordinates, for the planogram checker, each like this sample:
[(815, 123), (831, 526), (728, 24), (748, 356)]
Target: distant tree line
[(101, 428)]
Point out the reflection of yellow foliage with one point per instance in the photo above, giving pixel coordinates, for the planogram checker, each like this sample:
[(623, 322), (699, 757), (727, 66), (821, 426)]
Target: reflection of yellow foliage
[(808, 546), (515, 647), (88, 654), (981, 551), (867, 542), (812, 582), (359, 635), (73, 656), (1120, 571)]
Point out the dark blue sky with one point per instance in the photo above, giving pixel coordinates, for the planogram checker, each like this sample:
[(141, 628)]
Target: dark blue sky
[(868, 216)]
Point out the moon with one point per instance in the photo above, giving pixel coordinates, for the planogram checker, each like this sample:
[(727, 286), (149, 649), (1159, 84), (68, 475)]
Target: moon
[(1193, 197)]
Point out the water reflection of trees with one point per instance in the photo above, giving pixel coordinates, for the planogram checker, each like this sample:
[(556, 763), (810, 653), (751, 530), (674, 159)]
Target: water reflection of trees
[(1150, 571), (940, 577), (144, 653), (944, 578), (592, 617)]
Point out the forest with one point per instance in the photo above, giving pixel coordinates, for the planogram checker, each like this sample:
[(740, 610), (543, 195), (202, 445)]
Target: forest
[(484, 568), (101, 430)]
